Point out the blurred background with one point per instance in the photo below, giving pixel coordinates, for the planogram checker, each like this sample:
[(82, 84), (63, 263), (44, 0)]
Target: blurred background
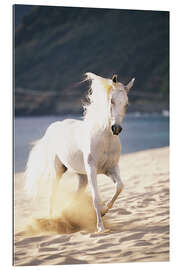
[(55, 46)]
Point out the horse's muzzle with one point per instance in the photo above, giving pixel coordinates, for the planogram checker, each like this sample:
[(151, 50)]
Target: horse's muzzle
[(116, 129)]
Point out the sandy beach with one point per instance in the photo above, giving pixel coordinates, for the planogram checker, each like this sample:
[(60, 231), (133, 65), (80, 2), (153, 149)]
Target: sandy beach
[(137, 227)]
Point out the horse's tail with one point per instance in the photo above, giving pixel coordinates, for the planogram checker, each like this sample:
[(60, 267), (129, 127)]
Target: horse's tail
[(40, 166)]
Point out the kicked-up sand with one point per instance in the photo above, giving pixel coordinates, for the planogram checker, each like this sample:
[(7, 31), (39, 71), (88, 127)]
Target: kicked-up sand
[(137, 227)]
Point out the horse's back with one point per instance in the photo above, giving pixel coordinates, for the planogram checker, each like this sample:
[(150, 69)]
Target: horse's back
[(67, 123)]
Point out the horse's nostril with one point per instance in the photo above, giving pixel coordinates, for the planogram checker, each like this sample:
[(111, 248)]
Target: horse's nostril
[(113, 128), (116, 129)]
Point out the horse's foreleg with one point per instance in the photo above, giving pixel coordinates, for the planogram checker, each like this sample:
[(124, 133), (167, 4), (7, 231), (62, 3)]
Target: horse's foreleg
[(92, 180), (114, 174)]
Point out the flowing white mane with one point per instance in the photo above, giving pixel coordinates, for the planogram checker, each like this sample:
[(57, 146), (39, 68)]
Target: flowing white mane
[(98, 108)]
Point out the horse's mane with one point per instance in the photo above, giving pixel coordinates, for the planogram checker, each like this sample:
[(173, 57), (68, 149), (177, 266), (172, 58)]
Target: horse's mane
[(97, 107)]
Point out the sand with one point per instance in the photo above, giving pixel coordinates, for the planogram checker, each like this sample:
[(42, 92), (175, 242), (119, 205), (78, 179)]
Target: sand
[(137, 227)]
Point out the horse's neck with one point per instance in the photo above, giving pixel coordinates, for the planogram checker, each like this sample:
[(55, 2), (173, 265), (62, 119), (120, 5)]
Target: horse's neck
[(98, 123), (98, 117), (98, 126)]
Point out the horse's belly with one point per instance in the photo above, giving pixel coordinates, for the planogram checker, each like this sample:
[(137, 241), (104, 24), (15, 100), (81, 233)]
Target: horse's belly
[(73, 160), (76, 163)]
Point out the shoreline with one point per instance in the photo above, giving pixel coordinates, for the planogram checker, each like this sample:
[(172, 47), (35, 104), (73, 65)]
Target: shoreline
[(138, 223)]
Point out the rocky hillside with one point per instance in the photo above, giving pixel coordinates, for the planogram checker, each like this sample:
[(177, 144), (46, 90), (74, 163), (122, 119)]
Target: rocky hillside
[(54, 46)]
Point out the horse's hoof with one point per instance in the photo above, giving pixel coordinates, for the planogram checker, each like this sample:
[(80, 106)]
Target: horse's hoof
[(103, 231), (100, 228)]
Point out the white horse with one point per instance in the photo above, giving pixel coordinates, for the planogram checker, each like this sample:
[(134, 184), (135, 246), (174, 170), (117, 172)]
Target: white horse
[(87, 147)]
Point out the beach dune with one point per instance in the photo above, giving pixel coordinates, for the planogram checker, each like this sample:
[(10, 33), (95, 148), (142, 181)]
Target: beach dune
[(137, 227)]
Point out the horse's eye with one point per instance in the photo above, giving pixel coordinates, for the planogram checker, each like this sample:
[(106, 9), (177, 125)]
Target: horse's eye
[(127, 105)]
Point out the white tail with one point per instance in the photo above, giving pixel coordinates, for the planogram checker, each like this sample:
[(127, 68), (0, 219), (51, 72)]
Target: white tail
[(40, 166)]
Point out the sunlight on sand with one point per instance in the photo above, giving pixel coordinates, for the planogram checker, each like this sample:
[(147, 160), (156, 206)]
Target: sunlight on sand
[(138, 223)]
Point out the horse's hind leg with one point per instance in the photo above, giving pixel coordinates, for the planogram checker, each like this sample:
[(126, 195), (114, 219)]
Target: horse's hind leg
[(60, 169), (83, 181)]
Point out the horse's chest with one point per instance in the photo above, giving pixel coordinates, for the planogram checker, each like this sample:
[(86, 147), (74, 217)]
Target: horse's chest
[(108, 157)]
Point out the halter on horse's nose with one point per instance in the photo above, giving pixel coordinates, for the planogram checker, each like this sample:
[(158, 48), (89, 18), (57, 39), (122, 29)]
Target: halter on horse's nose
[(116, 129)]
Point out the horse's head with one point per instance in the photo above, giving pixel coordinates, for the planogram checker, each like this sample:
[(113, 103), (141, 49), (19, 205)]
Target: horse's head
[(118, 99), (109, 98)]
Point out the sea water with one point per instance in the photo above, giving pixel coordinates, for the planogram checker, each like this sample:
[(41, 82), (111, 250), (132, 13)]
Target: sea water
[(139, 132)]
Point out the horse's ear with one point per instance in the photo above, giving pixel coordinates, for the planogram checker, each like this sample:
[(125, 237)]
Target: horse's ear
[(114, 78), (90, 76), (129, 85)]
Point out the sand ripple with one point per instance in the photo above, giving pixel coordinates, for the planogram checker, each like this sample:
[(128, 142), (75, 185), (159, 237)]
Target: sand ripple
[(137, 226)]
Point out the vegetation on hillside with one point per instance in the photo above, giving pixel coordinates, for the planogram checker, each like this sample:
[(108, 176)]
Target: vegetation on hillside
[(54, 46)]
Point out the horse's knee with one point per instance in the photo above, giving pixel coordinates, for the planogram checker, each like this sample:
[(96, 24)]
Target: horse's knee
[(119, 186)]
